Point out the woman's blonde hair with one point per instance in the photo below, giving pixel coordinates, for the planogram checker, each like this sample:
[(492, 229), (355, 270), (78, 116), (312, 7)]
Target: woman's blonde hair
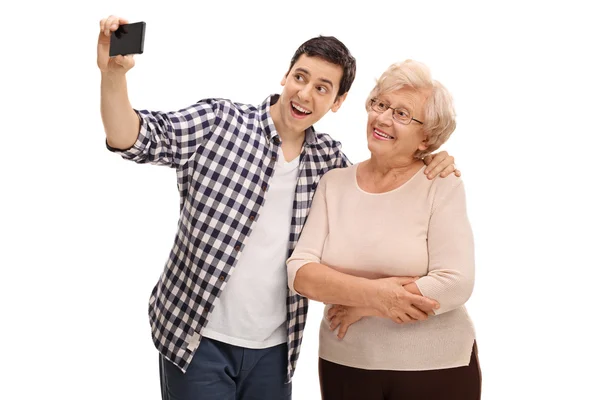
[(439, 121)]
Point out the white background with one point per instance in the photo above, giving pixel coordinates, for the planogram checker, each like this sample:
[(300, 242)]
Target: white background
[(85, 234)]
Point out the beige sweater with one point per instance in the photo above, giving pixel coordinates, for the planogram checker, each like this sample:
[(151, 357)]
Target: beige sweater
[(418, 229)]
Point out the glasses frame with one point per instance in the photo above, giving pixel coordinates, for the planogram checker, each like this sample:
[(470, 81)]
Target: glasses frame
[(375, 99)]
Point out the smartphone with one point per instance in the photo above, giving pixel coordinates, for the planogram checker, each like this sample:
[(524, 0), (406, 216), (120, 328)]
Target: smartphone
[(128, 39)]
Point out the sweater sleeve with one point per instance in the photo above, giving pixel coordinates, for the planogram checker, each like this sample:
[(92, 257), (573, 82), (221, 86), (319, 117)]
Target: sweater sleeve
[(312, 240), (451, 269)]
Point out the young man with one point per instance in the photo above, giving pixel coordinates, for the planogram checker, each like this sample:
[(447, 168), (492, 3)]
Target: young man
[(244, 174)]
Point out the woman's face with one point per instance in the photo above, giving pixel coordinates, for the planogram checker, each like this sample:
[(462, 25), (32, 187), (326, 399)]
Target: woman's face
[(386, 137)]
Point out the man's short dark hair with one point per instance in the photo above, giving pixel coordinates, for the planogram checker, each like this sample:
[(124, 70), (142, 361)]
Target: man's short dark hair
[(332, 50)]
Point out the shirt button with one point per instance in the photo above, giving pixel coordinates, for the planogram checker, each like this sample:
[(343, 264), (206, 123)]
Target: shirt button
[(274, 158), (237, 248), (252, 218), (264, 188), (276, 140), (222, 278)]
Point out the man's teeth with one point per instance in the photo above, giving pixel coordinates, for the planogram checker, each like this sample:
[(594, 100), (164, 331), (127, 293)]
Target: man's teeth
[(302, 110), (383, 134)]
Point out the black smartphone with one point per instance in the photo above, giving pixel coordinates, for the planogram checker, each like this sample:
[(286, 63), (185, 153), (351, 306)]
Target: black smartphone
[(128, 39)]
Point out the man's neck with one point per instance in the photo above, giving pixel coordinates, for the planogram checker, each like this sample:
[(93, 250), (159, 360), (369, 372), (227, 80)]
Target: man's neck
[(292, 147), (291, 142)]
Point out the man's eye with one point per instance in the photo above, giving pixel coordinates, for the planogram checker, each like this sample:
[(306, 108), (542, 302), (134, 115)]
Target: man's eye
[(299, 78), (322, 89)]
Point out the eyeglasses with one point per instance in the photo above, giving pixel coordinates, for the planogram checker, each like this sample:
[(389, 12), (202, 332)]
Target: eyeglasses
[(401, 115)]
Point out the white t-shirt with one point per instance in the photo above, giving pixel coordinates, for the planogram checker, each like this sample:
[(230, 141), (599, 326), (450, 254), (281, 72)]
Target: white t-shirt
[(251, 311)]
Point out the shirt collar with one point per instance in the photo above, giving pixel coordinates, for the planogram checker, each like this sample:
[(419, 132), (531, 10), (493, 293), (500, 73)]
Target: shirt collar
[(311, 137)]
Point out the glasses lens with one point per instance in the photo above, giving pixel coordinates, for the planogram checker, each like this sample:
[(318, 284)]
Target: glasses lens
[(402, 115), (378, 105)]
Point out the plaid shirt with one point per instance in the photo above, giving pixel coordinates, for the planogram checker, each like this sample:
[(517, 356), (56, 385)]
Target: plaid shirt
[(224, 154)]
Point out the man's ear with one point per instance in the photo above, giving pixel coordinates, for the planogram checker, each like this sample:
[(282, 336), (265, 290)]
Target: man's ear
[(338, 102), (284, 79)]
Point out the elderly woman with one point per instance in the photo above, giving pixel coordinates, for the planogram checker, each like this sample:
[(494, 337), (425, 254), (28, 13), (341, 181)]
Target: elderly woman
[(394, 252)]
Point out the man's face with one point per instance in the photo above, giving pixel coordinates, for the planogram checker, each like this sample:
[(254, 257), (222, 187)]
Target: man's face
[(309, 92)]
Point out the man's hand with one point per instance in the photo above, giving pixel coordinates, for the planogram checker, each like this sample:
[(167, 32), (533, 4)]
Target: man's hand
[(396, 303), (441, 164), (118, 64), (343, 317)]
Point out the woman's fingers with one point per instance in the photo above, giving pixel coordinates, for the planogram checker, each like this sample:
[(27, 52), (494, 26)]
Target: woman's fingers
[(335, 322), (343, 330), (416, 314)]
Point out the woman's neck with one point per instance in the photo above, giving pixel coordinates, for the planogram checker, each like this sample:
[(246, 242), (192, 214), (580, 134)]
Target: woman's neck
[(378, 176), (382, 168)]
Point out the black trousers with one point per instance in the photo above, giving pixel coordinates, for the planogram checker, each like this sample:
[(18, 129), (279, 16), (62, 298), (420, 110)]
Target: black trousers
[(339, 382)]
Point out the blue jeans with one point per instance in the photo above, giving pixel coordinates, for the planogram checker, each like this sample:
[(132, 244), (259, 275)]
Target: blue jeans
[(220, 371)]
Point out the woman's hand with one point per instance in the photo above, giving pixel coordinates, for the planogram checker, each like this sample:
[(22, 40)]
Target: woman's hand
[(397, 303), (343, 317)]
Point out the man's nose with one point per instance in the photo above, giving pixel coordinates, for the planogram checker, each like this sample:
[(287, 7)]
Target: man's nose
[(304, 93)]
